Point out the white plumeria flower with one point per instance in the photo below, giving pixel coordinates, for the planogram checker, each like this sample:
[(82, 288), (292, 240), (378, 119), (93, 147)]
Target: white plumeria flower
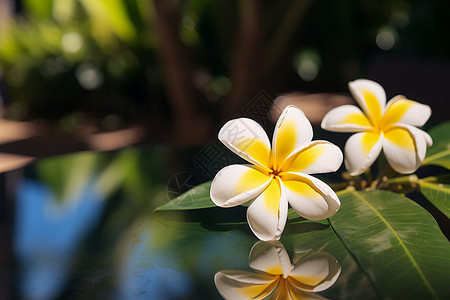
[(279, 174), (390, 127), (277, 277)]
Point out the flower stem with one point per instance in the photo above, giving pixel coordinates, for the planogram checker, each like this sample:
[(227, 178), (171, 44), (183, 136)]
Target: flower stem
[(403, 184), (339, 185), (409, 179), (368, 174)]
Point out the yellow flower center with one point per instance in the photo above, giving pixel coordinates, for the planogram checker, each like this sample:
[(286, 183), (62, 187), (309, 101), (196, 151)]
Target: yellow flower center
[(275, 173)]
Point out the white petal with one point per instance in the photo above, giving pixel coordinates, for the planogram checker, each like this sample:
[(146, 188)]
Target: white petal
[(346, 118), (267, 214), (371, 97), (401, 110), (405, 148), (270, 257), (310, 197), (427, 137), (317, 157), (292, 132), (247, 139), (236, 184), (243, 285), (316, 272), (361, 150)]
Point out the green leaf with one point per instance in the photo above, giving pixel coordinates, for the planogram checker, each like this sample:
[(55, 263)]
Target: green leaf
[(195, 198), (396, 242), (198, 197), (306, 237), (111, 15), (230, 250), (439, 153), (438, 194)]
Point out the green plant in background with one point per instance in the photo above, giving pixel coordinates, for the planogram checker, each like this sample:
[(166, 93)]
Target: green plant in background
[(185, 62), (75, 56), (396, 242)]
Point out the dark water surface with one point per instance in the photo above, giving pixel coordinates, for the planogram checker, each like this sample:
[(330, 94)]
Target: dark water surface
[(83, 227)]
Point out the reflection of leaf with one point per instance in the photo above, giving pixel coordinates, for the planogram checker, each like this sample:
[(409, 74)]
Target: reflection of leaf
[(190, 245), (302, 238), (65, 174), (396, 242), (439, 153), (309, 237), (195, 198), (438, 194)]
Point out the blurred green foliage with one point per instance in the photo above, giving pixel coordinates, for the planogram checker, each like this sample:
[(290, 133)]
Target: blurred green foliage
[(133, 171), (103, 57), (62, 55)]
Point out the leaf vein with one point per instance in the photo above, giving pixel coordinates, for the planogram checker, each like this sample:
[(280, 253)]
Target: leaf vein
[(388, 225)]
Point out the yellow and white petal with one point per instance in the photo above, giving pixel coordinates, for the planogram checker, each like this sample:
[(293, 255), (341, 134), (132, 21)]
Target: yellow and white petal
[(267, 214), (317, 157), (236, 184), (270, 257), (315, 273), (401, 110), (298, 294), (310, 197), (346, 118), (361, 150), (282, 292), (371, 97), (292, 132), (234, 284), (405, 148), (247, 139)]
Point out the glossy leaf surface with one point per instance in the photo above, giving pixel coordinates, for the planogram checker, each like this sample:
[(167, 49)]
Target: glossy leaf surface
[(305, 237), (439, 153), (438, 194), (396, 242), (196, 198)]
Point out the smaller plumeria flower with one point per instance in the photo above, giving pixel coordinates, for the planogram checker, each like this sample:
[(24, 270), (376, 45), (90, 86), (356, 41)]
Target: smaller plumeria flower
[(276, 276), (390, 127), (278, 174)]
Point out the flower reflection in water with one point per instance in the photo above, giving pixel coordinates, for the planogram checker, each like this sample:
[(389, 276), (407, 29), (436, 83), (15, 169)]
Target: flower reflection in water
[(276, 276)]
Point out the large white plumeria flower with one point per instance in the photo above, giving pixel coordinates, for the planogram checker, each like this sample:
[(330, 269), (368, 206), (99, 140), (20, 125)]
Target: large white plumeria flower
[(390, 127), (278, 174), (277, 277)]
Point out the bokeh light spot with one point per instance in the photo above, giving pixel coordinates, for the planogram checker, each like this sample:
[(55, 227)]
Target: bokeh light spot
[(386, 38), (307, 64), (89, 76), (72, 42)]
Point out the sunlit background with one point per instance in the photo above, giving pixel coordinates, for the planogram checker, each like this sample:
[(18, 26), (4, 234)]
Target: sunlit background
[(189, 65), (101, 75)]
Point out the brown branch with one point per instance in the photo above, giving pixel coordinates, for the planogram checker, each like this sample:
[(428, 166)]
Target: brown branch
[(294, 15), (254, 59), (190, 125), (245, 58), (8, 184)]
